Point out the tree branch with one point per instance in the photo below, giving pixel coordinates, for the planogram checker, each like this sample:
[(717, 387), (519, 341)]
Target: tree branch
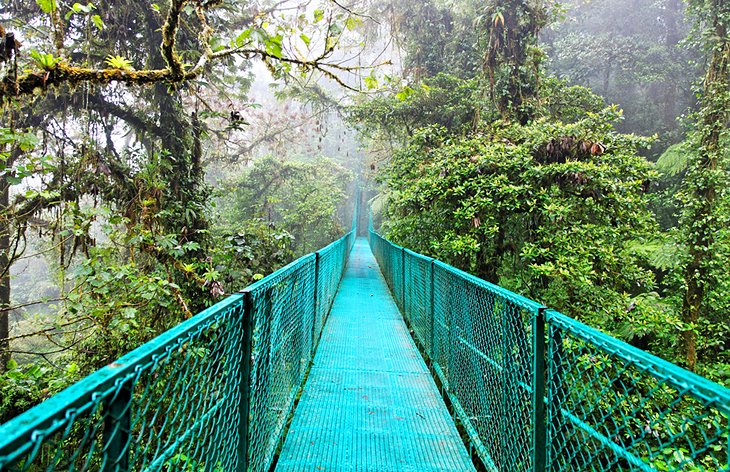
[(124, 114), (353, 13), (169, 32), (63, 73)]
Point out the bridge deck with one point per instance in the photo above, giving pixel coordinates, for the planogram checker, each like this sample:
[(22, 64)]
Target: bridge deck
[(370, 403)]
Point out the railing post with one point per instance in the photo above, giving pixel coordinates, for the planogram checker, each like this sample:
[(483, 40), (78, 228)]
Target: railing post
[(244, 406), (556, 394), (117, 429), (315, 320), (403, 280), (505, 460), (432, 313), (539, 420)]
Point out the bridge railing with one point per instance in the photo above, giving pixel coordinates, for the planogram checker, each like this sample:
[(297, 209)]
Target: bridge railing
[(612, 404), (536, 390), (213, 393)]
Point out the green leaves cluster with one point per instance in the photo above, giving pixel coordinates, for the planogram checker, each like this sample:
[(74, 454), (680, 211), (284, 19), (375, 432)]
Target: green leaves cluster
[(250, 250), (22, 386), (548, 209), (302, 197), (119, 62), (30, 165), (443, 100)]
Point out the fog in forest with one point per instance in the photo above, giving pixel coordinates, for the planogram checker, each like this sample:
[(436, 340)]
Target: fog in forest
[(157, 159)]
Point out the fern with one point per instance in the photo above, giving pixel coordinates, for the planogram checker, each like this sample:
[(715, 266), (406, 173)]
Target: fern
[(675, 159), (662, 254)]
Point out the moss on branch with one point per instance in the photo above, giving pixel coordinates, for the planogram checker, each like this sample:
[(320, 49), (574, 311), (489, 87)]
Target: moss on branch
[(61, 73)]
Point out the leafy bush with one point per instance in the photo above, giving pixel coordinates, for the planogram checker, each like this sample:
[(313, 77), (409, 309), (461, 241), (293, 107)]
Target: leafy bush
[(548, 209)]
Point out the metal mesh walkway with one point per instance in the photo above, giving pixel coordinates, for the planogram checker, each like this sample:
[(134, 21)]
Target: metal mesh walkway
[(370, 403), (532, 389)]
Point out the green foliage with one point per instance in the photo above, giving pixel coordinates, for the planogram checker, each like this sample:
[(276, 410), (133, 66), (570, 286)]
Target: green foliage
[(547, 209), (141, 282), (704, 198), (30, 164), (79, 9), (301, 197), (675, 159), (184, 463), (22, 387), (25, 141), (635, 61), (45, 61), (47, 6), (437, 37), (137, 277), (565, 102), (125, 303), (118, 62), (458, 106), (443, 100), (512, 58), (256, 248)]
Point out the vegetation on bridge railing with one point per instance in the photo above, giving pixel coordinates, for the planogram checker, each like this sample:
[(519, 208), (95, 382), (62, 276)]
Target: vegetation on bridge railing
[(212, 394), (537, 390)]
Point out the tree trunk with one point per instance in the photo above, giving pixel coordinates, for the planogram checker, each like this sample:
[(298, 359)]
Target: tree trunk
[(513, 27), (607, 76), (5, 279), (704, 182)]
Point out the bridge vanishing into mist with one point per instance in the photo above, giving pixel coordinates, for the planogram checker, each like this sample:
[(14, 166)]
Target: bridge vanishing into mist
[(370, 357)]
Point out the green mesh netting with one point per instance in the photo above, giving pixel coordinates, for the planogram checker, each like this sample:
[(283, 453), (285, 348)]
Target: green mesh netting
[(171, 404), (331, 262), (614, 407), (212, 394), (282, 311), (536, 390)]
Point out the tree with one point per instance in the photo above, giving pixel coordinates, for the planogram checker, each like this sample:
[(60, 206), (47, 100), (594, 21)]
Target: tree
[(707, 180), (443, 100), (118, 89), (635, 61), (550, 210), (512, 59), (305, 198), (435, 37)]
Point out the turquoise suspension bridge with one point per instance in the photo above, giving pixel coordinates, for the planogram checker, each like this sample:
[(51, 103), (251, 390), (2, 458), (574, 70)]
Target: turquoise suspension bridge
[(370, 357)]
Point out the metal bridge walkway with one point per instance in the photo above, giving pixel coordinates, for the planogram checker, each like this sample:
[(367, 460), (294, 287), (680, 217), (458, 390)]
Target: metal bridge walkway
[(533, 389), (370, 403)]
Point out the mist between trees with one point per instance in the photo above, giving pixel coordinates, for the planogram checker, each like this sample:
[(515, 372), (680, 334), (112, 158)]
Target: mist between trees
[(159, 156)]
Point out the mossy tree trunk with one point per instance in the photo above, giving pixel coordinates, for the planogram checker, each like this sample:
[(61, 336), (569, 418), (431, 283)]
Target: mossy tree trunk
[(707, 176), (512, 58), (5, 278)]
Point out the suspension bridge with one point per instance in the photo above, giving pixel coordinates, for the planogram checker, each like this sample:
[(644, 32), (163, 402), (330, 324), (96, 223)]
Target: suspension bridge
[(365, 356)]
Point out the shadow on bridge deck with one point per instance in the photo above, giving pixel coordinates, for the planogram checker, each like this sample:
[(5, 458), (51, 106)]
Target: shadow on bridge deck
[(370, 403)]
